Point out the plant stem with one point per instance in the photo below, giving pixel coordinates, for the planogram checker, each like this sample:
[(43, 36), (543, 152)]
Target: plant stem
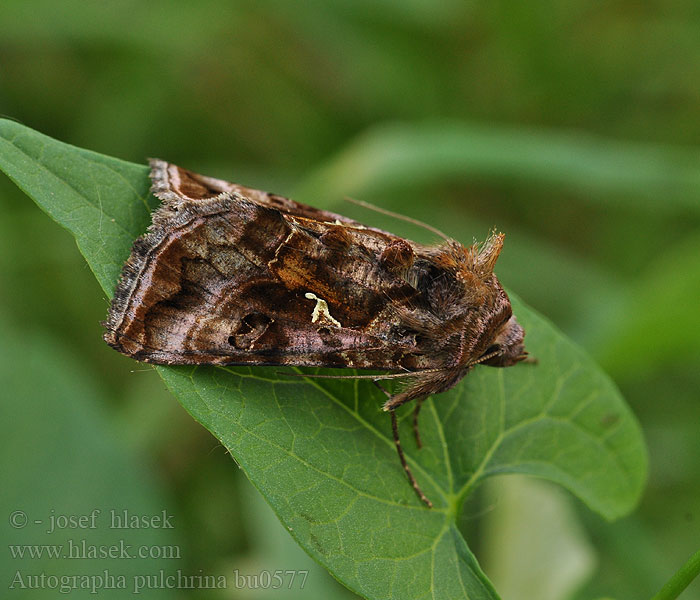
[(681, 579)]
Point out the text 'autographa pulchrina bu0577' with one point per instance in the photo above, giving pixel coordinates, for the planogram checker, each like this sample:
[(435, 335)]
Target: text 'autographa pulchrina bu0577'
[(228, 275)]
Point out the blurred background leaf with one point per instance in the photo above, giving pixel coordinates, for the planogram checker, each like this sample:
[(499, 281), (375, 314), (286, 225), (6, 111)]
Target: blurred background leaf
[(65, 457), (536, 547), (273, 94)]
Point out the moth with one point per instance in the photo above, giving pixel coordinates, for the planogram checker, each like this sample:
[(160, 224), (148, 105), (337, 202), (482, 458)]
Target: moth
[(229, 275)]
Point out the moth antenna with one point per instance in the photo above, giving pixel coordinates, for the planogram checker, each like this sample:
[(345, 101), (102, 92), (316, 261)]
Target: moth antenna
[(390, 213), (373, 377)]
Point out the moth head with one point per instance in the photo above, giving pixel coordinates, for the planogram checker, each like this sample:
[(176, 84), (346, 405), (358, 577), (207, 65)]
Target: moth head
[(506, 347)]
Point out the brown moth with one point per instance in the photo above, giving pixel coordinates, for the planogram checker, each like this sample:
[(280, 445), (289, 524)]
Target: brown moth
[(228, 275)]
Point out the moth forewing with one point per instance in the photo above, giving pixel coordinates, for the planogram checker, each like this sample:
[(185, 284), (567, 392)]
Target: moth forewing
[(230, 275)]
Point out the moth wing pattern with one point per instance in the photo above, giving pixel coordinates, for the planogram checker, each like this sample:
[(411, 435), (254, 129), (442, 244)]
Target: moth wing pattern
[(231, 275), (175, 184)]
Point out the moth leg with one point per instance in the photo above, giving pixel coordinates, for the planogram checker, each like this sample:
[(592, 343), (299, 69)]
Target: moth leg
[(416, 432), (402, 458), (386, 393), (399, 449)]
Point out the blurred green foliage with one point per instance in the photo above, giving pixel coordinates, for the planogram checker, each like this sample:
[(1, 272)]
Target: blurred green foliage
[(571, 126), (322, 455)]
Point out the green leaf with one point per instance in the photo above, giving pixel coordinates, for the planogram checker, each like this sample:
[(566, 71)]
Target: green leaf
[(102, 201), (321, 452), (272, 547)]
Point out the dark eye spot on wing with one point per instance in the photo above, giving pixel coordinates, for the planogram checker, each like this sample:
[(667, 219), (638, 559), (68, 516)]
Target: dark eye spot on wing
[(252, 326)]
